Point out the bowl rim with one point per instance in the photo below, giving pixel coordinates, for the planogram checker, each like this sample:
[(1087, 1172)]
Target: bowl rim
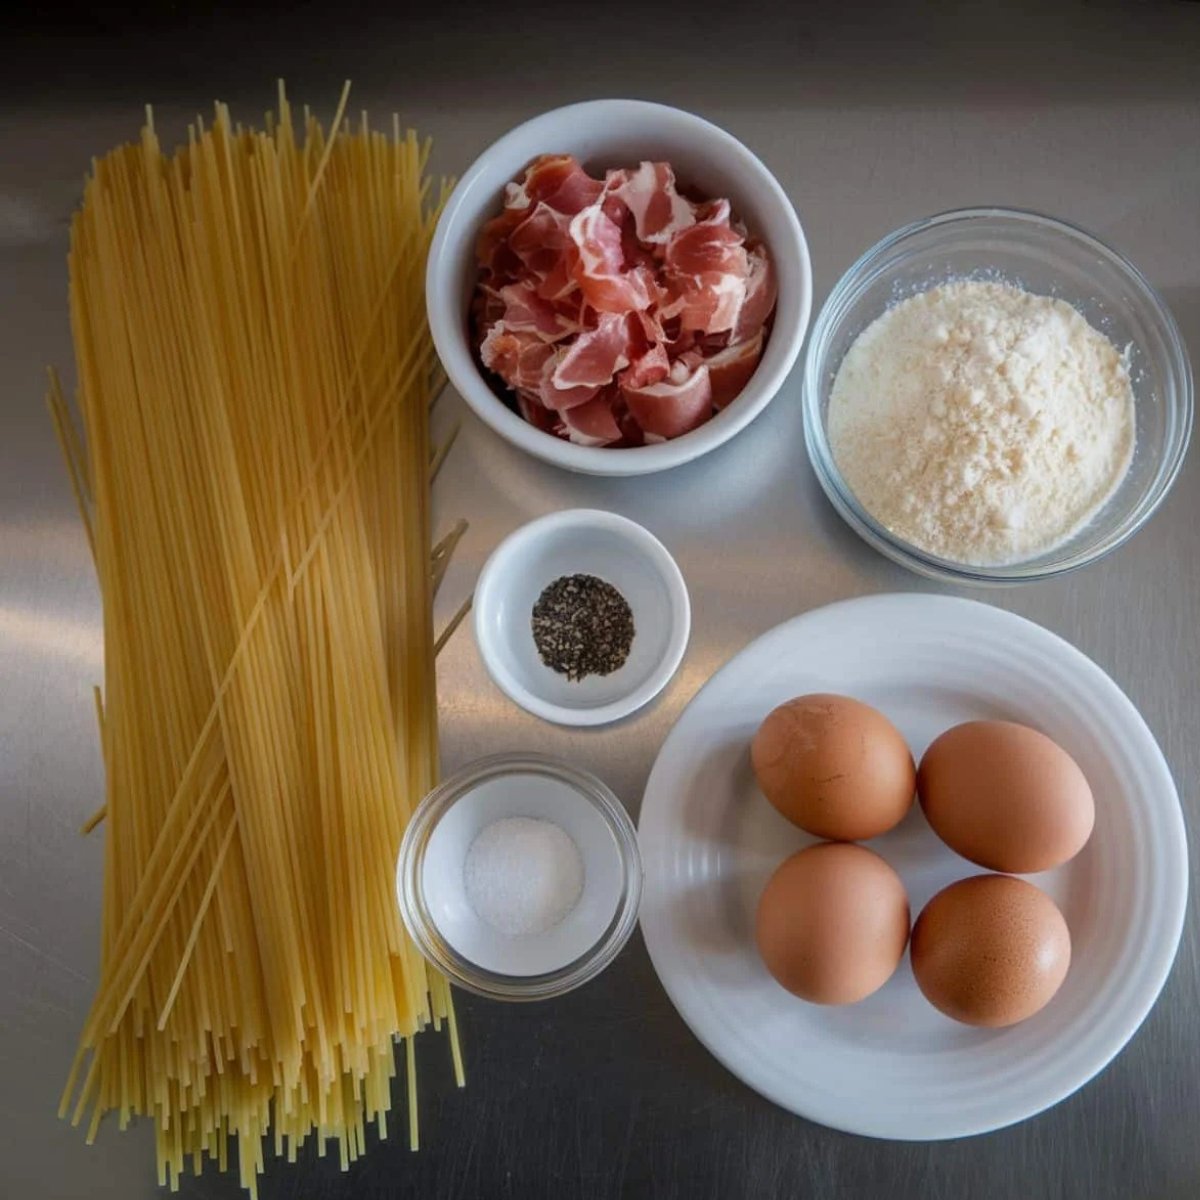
[(423, 929), (491, 582), (451, 342), (1038, 568)]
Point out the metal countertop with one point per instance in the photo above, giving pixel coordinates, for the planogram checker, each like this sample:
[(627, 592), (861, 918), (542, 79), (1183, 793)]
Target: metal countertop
[(1085, 111)]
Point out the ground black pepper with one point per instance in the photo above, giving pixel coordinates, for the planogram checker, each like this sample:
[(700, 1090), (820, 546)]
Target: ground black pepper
[(582, 626)]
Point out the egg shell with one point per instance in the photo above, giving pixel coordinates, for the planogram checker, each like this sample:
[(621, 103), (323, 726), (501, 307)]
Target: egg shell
[(991, 950), (834, 766), (1005, 796), (832, 923)]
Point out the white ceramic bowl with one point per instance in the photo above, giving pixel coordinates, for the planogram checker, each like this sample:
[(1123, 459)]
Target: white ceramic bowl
[(603, 134), (591, 542)]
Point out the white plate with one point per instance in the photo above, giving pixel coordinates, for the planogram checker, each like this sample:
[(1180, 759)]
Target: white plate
[(892, 1066)]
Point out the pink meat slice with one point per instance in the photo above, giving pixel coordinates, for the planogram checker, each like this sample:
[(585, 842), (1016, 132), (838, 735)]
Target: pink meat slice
[(729, 370), (708, 246), (624, 293), (540, 240), (559, 399), (659, 211), (761, 293), (597, 238), (649, 361), (600, 270), (500, 350), (518, 357), (560, 283), (593, 423), (596, 355), (556, 180), (709, 303), (526, 311), (650, 367), (651, 328), (676, 405)]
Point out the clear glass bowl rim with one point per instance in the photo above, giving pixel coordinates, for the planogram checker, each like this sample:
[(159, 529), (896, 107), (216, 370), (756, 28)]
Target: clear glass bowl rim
[(421, 926), (1045, 566)]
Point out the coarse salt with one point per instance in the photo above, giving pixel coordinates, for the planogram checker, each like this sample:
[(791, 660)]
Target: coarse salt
[(523, 875)]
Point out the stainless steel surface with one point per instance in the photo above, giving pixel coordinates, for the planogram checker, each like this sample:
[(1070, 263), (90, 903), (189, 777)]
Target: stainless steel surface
[(1088, 112)]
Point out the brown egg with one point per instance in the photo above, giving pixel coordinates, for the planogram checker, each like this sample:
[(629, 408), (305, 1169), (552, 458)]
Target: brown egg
[(834, 766), (833, 923), (990, 950), (1005, 796)]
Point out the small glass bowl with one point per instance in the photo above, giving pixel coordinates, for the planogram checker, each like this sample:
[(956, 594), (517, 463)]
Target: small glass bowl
[(1045, 256), (437, 913)]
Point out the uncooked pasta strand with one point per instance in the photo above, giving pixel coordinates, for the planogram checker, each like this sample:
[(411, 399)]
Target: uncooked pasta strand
[(255, 380)]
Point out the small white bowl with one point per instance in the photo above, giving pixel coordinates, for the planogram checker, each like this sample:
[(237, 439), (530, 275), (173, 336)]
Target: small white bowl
[(603, 134), (591, 542)]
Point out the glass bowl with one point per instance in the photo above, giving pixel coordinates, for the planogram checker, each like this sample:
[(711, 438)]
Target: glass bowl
[(432, 894), (1042, 255)]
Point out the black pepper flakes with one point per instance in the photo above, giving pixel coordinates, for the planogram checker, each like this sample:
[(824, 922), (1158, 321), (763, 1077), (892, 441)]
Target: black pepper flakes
[(582, 626)]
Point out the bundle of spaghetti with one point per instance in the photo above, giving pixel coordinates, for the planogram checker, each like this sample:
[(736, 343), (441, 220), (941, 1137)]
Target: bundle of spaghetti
[(255, 378)]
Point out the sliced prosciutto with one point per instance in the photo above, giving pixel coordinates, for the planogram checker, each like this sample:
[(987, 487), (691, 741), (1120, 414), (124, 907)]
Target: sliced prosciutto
[(658, 210), (593, 423), (651, 366), (526, 311), (540, 240), (709, 246), (760, 298), (708, 303), (596, 355), (556, 180), (517, 356), (729, 370), (608, 283), (675, 406), (619, 311), (557, 396)]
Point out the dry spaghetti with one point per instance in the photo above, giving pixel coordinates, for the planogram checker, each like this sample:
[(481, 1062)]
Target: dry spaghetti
[(255, 375)]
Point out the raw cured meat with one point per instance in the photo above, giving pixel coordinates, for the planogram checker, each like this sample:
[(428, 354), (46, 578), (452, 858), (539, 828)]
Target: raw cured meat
[(676, 405), (619, 311)]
